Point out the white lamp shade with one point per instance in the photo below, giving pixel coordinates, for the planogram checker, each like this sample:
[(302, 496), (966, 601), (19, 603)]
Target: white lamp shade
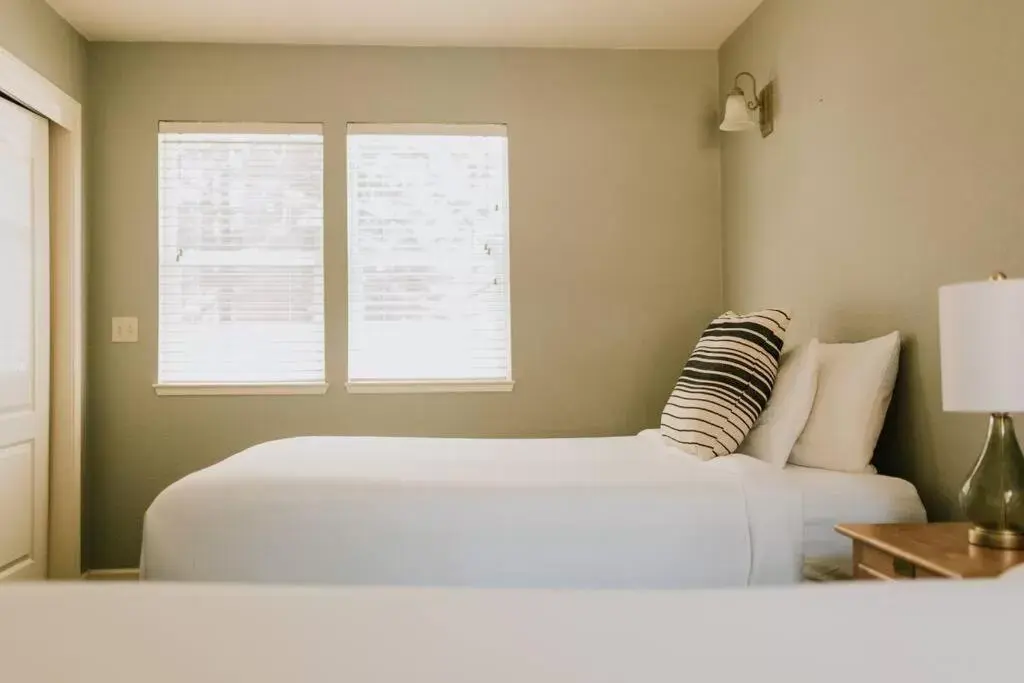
[(981, 336), (737, 116)]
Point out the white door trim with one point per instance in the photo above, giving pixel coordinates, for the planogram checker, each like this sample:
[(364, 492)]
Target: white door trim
[(21, 83)]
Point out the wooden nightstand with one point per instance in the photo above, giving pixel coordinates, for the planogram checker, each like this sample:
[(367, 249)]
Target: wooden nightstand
[(923, 551)]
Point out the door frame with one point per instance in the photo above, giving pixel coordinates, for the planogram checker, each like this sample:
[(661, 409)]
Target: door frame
[(31, 89)]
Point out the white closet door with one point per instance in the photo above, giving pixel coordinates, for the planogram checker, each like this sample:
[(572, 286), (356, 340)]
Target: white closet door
[(24, 342)]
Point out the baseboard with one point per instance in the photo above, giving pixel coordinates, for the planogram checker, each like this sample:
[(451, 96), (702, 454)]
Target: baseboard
[(129, 574)]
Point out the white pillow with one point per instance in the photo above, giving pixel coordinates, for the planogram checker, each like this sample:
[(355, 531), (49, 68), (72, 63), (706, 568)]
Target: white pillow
[(783, 419), (855, 383)]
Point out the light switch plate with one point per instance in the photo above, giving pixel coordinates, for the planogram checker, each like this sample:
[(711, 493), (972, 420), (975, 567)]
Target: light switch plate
[(124, 330)]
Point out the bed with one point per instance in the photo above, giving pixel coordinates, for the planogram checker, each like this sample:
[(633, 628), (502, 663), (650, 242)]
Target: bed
[(829, 498), (911, 631), (613, 512)]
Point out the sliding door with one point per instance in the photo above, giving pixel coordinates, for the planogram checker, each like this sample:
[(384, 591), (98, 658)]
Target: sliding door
[(24, 341)]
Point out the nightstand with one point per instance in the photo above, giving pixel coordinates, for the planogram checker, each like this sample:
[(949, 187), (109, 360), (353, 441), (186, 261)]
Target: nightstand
[(891, 552)]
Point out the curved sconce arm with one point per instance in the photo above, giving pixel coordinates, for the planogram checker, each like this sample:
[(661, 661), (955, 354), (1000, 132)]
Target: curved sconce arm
[(751, 105)]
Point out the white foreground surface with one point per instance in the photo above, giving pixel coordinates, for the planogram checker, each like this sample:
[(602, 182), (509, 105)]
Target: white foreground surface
[(907, 632), (617, 512)]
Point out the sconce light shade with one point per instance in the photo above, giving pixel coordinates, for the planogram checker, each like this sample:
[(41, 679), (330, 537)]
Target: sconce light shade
[(739, 112), (738, 116)]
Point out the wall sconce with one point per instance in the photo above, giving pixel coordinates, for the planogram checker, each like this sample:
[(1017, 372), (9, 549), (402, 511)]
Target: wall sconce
[(739, 113)]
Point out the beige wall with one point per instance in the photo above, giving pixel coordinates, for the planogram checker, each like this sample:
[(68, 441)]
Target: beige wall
[(896, 166), (615, 240), (35, 34)]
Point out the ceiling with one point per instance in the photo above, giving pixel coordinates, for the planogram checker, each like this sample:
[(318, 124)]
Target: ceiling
[(693, 24)]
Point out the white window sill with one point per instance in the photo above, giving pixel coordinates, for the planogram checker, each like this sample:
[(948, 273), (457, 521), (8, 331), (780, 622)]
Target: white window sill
[(430, 387), (241, 389)]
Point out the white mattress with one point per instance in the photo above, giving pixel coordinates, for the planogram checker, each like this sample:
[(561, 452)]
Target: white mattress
[(622, 512), (830, 498)]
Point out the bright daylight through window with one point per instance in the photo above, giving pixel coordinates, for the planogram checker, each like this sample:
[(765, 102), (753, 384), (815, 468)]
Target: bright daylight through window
[(428, 254), (241, 277)]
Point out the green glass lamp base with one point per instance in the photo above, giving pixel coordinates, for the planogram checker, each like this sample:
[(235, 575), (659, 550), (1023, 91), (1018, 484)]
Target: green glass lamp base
[(992, 498), (1005, 540)]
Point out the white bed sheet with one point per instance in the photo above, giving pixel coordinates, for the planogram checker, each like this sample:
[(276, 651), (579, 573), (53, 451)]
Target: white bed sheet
[(831, 498), (616, 512), (908, 631)]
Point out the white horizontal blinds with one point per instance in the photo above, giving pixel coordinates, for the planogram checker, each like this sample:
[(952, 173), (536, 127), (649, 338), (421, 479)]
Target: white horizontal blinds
[(428, 253), (241, 253)]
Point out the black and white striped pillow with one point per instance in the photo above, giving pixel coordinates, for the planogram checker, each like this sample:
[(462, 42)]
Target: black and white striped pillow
[(725, 384)]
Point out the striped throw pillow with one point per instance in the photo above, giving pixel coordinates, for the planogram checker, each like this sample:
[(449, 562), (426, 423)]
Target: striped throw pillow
[(725, 384)]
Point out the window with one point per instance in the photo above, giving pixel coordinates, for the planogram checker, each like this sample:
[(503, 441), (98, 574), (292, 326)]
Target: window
[(428, 257), (241, 254)]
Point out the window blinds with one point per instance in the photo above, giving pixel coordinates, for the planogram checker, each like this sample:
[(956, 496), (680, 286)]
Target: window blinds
[(428, 253), (241, 280)]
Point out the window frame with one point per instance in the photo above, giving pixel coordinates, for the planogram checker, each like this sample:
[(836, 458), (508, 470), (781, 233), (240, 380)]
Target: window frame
[(258, 388), (433, 386)]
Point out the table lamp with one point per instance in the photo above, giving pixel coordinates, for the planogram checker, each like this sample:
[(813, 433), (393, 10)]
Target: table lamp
[(981, 335)]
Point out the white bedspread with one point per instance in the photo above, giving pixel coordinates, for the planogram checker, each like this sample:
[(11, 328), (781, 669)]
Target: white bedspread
[(621, 512), (831, 498), (906, 631)]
